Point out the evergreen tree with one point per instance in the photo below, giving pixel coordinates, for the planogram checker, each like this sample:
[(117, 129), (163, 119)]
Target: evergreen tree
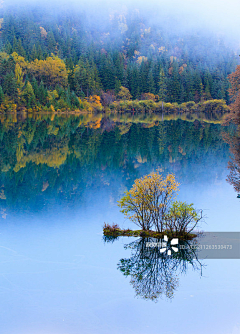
[(133, 82), (1, 94), (117, 86), (162, 93), (10, 86), (35, 87), (42, 94), (39, 52), (174, 86), (20, 49), (28, 95), (198, 87), (151, 83), (51, 43), (34, 53), (74, 100), (189, 86), (70, 70)]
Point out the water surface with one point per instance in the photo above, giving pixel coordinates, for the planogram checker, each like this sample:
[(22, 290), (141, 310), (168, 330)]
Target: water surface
[(60, 181)]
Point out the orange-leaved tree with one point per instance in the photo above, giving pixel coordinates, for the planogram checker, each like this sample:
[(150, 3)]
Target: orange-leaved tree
[(234, 91)]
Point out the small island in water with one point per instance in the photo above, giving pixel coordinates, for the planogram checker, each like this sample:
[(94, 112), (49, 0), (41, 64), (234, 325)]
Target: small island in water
[(151, 206)]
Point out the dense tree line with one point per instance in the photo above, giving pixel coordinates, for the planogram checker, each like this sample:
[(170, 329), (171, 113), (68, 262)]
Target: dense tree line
[(58, 59)]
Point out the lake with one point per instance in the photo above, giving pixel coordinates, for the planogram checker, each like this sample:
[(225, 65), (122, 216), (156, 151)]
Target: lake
[(61, 177)]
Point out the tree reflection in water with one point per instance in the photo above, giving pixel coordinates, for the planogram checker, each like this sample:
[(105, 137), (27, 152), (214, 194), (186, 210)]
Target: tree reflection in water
[(234, 164), (233, 140), (49, 160), (153, 273)]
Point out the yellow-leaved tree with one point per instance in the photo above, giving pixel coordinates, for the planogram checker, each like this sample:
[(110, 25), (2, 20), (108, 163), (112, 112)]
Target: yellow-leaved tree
[(148, 201), (52, 71), (124, 94), (19, 76)]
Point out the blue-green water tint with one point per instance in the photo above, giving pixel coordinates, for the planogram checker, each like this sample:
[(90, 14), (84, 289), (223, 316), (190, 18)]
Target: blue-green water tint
[(60, 181)]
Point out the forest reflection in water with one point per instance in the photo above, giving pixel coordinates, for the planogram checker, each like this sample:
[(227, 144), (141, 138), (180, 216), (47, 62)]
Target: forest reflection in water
[(55, 159)]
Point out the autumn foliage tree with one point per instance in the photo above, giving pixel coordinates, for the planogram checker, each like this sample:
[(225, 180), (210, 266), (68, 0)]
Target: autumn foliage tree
[(51, 71), (149, 199), (234, 93), (124, 94), (149, 203), (148, 96)]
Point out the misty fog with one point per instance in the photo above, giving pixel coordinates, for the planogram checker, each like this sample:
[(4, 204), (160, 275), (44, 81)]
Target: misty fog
[(218, 16)]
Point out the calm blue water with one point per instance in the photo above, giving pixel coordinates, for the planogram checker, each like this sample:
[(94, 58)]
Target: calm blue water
[(57, 275)]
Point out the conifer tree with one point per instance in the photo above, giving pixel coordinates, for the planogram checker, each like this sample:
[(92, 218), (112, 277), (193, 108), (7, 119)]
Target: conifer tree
[(1, 94), (174, 85), (42, 94), (29, 95), (39, 52), (10, 86), (20, 49), (34, 53), (35, 87), (70, 71), (51, 43), (150, 83), (198, 87), (117, 86), (162, 93)]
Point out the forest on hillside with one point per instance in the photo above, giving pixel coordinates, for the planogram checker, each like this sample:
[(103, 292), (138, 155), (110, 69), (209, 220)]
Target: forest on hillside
[(62, 59)]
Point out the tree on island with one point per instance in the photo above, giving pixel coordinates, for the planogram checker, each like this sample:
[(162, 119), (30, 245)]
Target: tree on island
[(149, 204)]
